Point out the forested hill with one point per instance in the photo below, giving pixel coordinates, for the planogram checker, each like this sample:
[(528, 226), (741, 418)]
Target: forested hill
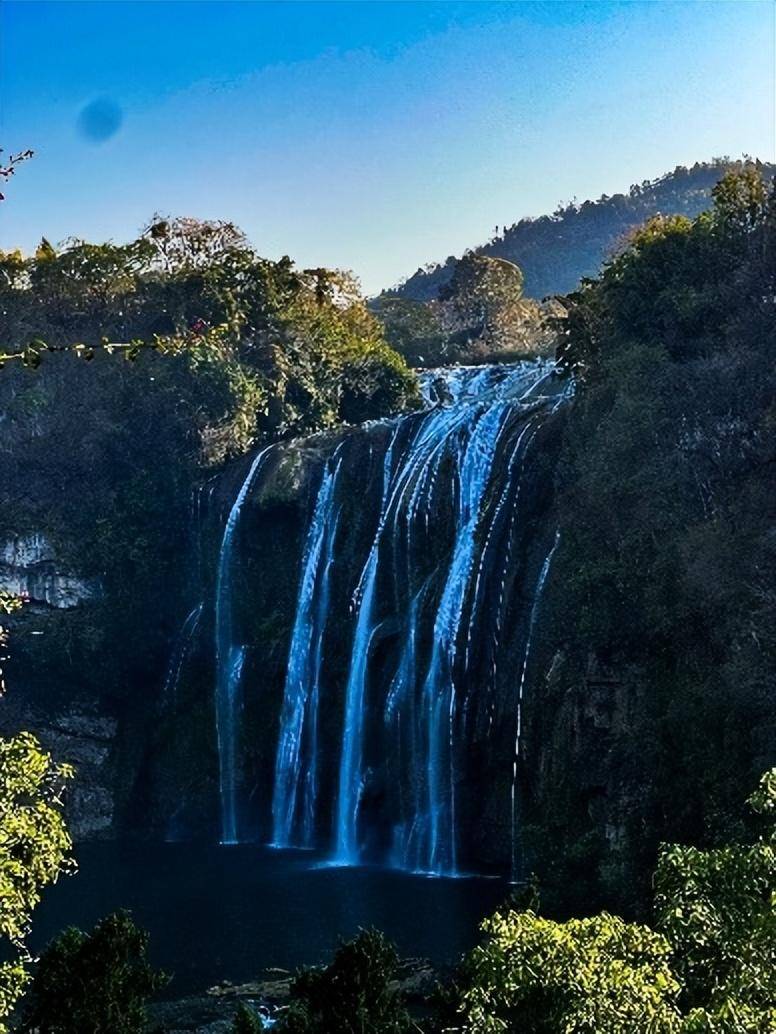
[(556, 251)]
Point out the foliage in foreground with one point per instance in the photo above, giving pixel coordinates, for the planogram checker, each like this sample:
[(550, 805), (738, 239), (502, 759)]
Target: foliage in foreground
[(34, 850), (97, 982), (709, 967), (718, 910), (353, 995), (598, 975), (246, 1021)]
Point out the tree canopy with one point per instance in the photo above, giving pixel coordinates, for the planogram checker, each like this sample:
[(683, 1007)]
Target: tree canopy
[(352, 995), (268, 349), (556, 251), (34, 851), (97, 982), (708, 966), (479, 315)]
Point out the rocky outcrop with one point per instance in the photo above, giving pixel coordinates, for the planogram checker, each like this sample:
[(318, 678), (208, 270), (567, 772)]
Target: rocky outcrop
[(585, 774), (29, 568), (76, 728), (86, 741)]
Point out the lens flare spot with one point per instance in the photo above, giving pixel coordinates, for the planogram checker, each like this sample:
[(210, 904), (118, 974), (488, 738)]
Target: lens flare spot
[(100, 119)]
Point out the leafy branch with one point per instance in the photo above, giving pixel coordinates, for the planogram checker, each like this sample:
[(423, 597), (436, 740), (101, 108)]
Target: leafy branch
[(9, 164), (32, 353)]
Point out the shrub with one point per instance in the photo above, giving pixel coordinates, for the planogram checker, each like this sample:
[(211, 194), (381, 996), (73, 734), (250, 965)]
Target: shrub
[(709, 968), (353, 995), (246, 1021), (97, 982)]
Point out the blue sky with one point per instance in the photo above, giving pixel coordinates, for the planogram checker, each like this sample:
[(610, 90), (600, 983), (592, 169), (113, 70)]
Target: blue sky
[(371, 136)]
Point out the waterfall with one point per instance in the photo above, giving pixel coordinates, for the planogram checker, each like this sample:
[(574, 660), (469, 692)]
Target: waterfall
[(467, 432), (439, 690), (295, 772), (346, 850), (410, 641), (400, 722), (179, 652), (229, 663), (544, 571)]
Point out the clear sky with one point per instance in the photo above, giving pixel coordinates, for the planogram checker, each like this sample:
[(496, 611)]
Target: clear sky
[(370, 136)]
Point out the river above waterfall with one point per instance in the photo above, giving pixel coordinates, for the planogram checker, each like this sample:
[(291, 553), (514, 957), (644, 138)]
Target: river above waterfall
[(227, 913)]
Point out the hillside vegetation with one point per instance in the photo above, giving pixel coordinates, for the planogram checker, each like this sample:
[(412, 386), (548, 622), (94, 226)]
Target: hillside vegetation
[(556, 251), (228, 349), (656, 715)]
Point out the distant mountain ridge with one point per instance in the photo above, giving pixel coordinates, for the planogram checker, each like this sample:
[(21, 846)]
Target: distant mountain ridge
[(556, 251)]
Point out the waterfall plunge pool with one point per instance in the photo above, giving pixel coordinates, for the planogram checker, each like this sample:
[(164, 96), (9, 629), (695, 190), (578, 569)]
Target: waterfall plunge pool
[(229, 912)]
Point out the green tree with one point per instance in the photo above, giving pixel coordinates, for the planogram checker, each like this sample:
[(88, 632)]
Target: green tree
[(271, 349), (484, 311), (680, 284), (34, 850), (718, 910), (246, 1021), (413, 328), (98, 982), (353, 995), (480, 314), (708, 968), (585, 976)]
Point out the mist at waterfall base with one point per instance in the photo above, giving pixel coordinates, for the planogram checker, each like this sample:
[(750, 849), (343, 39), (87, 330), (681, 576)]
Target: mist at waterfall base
[(229, 912)]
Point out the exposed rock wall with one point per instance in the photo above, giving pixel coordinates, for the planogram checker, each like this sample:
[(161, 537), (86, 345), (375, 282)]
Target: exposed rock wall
[(29, 568), (81, 737)]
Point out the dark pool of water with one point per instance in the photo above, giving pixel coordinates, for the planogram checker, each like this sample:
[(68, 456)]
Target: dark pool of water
[(218, 913)]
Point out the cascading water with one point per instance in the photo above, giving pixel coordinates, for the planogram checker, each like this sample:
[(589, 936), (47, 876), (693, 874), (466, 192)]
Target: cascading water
[(299, 717), (230, 657), (348, 797), (466, 437), (544, 571), (373, 758), (180, 649)]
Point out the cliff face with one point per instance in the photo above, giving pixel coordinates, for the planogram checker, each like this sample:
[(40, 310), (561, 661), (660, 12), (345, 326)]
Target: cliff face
[(437, 527), (587, 776), (29, 568), (375, 574), (78, 730)]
